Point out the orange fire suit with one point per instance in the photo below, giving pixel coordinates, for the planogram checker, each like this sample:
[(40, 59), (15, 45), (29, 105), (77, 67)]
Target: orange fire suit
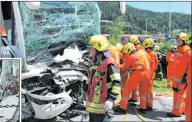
[(135, 92), (170, 70), (124, 73), (116, 54), (140, 62), (154, 67), (188, 110), (178, 98), (139, 47)]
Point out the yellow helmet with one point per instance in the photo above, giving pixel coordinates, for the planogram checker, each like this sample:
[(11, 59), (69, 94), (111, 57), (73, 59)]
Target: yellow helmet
[(148, 43), (182, 36), (99, 42), (134, 39), (128, 48), (173, 46), (119, 46), (156, 47)]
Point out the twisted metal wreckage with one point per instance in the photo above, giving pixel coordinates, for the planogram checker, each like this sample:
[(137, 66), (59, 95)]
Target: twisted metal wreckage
[(9, 90), (53, 88)]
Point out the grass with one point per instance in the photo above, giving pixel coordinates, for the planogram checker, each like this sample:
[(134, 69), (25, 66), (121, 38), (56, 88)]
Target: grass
[(161, 87)]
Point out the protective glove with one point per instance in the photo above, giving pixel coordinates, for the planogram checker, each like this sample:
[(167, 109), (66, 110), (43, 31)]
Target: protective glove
[(108, 106), (80, 98), (177, 90)]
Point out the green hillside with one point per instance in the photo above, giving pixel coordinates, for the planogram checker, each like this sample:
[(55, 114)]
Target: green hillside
[(135, 19)]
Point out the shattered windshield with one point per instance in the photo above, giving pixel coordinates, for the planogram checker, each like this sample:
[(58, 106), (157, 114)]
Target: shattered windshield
[(55, 24)]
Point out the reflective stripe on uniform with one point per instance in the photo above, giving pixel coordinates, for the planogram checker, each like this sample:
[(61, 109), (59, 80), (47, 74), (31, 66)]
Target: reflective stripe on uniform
[(95, 110), (93, 67), (126, 99), (177, 107), (160, 73), (148, 97), (115, 76), (97, 94), (179, 54), (143, 98), (94, 107), (177, 79), (177, 104), (116, 90), (149, 101), (138, 65)]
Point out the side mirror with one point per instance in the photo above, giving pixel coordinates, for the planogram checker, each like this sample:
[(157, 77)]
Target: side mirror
[(33, 5), (122, 7)]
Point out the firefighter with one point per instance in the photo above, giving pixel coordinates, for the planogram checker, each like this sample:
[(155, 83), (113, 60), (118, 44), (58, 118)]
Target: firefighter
[(140, 62), (8, 50), (179, 85), (123, 73), (120, 49), (134, 39), (115, 53), (119, 46), (159, 72), (103, 86), (170, 59), (135, 93), (148, 44), (188, 110)]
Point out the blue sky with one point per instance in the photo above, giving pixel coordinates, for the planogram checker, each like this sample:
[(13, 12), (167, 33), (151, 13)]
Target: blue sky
[(182, 7)]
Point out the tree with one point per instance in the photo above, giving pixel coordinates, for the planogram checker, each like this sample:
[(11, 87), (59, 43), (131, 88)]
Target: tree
[(174, 33), (165, 47), (157, 22), (116, 29)]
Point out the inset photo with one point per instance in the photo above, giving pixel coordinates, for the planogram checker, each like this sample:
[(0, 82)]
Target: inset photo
[(9, 90)]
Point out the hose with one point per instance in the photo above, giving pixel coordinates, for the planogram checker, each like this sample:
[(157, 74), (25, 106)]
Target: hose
[(139, 116), (125, 117)]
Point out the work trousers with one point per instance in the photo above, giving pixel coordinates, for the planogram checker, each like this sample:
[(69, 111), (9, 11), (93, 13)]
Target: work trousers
[(150, 92), (188, 110), (179, 101), (140, 78)]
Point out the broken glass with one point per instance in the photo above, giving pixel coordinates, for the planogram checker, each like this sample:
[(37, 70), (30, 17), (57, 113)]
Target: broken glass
[(10, 76), (55, 23)]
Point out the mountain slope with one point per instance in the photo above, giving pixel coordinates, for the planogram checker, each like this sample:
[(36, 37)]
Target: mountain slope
[(135, 19)]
